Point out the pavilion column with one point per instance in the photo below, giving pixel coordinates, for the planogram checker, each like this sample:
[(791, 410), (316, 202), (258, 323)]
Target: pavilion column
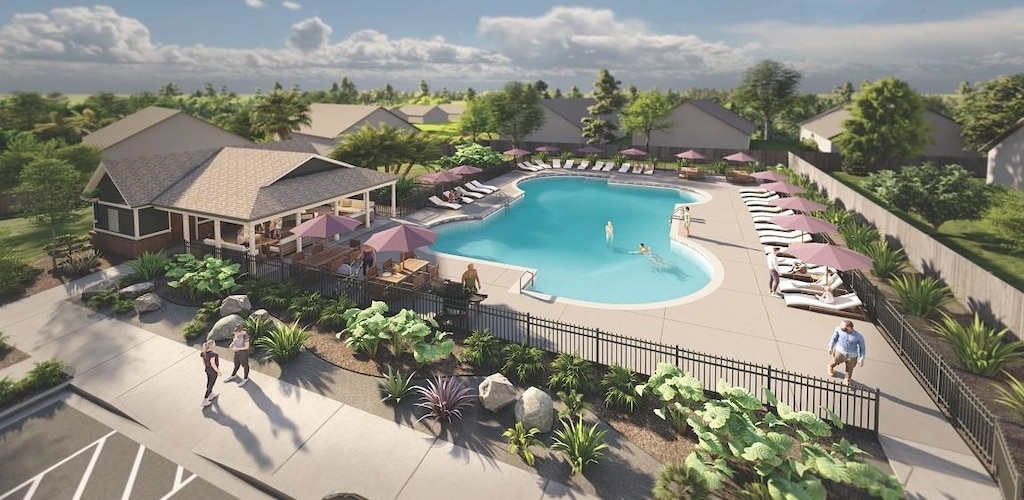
[(366, 207), (216, 233), (251, 231), (394, 200)]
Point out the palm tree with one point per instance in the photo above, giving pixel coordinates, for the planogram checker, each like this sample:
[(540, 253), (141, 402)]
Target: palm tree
[(279, 113), (86, 121)]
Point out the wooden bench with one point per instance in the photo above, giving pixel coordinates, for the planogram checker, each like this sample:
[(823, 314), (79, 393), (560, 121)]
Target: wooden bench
[(739, 177), (286, 246)]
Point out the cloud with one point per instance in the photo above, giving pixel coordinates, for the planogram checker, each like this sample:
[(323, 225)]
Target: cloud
[(254, 3), (288, 4), (309, 35), (78, 33)]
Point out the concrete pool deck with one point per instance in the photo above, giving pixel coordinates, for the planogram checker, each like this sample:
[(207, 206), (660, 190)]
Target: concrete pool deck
[(740, 320)]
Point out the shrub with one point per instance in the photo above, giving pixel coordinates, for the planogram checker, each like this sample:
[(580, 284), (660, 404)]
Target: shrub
[(983, 351), (886, 262), (193, 329), (620, 388), (80, 263), (677, 481), (527, 363), (123, 305), (482, 349), (284, 342), (858, 236), (1006, 218), (472, 154), (44, 375), (3, 341), (207, 276), (365, 327), (149, 265), (279, 295), (580, 444), (920, 295), (572, 373), (445, 398), (15, 273), (1012, 396), (679, 393), (102, 299), (333, 313), (395, 386), (717, 167), (574, 404), (9, 390), (258, 327), (307, 307), (520, 440), (838, 216)]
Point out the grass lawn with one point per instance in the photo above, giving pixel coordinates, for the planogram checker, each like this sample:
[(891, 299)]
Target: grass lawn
[(446, 130), (971, 238), (29, 239)]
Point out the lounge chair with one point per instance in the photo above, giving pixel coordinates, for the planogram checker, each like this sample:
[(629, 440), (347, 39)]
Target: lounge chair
[(482, 187), (755, 194), (556, 163), (583, 165), (542, 165), (528, 167), (649, 169), (469, 188), (625, 168), (768, 226), (848, 305), (438, 202), (776, 241), (608, 166), (568, 163), (471, 194), (760, 202), (463, 199), (598, 166), (638, 168), (818, 287), (752, 190)]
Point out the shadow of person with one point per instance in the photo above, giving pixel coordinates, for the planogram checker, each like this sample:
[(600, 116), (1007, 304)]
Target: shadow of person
[(274, 414), (250, 443)]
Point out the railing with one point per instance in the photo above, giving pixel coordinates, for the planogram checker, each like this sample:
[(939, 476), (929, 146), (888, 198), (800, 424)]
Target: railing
[(528, 282), (855, 406), (979, 427)]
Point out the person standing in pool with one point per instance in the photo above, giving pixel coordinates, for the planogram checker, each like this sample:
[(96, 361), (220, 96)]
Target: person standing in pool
[(686, 220), (609, 233)]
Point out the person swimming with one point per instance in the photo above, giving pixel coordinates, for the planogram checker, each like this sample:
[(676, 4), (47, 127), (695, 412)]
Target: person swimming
[(642, 250), (609, 233)]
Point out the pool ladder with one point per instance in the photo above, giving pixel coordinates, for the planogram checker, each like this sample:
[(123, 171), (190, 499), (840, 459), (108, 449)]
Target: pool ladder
[(529, 282)]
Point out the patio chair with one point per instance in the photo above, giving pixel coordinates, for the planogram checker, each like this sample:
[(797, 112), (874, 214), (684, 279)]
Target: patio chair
[(638, 168), (438, 202), (598, 166), (608, 166), (624, 168), (787, 285), (556, 163), (777, 241), (477, 188), (569, 163), (464, 199), (529, 167), (583, 165), (848, 305), (649, 169), (484, 186)]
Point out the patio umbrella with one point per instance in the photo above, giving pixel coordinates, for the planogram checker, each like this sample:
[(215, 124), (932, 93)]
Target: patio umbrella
[(546, 149), (633, 152), (589, 149), (516, 152), (465, 170), (440, 177), (805, 223), (403, 238), (741, 157), (782, 187), (770, 175), (823, 254), (799, 204), (325, 226), (690, 155)]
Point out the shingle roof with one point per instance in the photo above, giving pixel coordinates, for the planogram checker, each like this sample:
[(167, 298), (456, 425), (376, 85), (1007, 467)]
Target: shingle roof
[(141, 179), (452, 108), (329, 120), (575, 109), (415, 109), (732, 119), (128, 126)]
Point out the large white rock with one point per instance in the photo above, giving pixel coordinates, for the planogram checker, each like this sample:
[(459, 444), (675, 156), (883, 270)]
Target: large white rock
[(263, 313), (235, 304), (224, 328), (535, 409), (496, 392), (137, 290), (147, 302), (98, 287)]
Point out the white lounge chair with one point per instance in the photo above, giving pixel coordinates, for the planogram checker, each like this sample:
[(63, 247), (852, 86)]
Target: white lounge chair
[(637, 169), (848, 305), (768, 226), (625, 168), (781, 233), (752, 191), (761, 202), (470, 189), (787, 285), (598, 166), (556, 163), (583, 165), (608, 166), (542, 165), (438, 202), (463, 199), (480, 186), (775, 241), (649, 169), (529, 167), (755, 194), (568, 163)]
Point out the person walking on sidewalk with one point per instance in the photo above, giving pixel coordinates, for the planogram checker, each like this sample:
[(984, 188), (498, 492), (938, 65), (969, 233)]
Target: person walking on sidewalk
[(240, 349), (211, 362), (846, 346), (773, 272)]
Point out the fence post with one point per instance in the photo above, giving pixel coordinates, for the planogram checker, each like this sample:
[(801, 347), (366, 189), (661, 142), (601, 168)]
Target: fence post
[(878, 408), (597, 346), (770, 376), (528, 322)]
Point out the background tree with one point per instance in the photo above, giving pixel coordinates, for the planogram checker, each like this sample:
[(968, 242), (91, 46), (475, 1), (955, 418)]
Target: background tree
[(279, 113), (383, 147), (842, 94), (477, 119), (597, 128), (1006, 217), (990, 109), (51, 191), (766, 89), (25, 148), (574, 93), (22, 111), (648, 112), (886, 121), (937, 194), (424, 89), (516, 110), (542, 88)]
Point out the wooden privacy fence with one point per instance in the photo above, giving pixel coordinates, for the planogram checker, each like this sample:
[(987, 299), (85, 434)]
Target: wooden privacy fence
[(855, 406)]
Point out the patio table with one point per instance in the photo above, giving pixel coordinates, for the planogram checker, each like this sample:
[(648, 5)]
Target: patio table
[(413, 266)]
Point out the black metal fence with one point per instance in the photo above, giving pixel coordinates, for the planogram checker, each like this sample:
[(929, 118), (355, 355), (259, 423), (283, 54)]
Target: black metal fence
[(967, 412), (855, 406)]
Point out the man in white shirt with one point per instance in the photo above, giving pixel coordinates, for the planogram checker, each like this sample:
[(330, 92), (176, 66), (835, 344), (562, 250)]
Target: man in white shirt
[(773, 272)]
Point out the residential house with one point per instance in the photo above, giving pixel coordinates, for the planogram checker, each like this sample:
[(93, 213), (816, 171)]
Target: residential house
[(945, 133), (416, 113), (329, 121), (454, 111), (701, 123), (563, 121), (1006, 157), (155, 130), (221, 196)]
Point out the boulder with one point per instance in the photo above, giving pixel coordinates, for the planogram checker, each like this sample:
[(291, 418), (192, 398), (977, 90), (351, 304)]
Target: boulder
[(98, 287), (263, 313), (496, 392), (235, 304), (137, 290), (224, 328), (147, 302), (535, 409)]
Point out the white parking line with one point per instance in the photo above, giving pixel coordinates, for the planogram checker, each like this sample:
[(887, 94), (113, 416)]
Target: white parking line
[(88, 470), (178, 483), (130, 485), (38, 477)]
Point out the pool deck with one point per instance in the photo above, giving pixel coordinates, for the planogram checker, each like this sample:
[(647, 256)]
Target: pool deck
[(741, 320)]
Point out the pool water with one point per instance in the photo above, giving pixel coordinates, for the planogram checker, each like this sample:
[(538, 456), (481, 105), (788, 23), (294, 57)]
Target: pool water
[(558, 227)]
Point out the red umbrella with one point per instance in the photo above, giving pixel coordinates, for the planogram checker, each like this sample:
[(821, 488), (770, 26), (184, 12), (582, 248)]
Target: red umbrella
[(800, 204), (741, 157), (690, 155), (440, 177), (782, 187), (770, 175), (325, 226), (823, 254), (633, 152), (401, 239), (546, 149), (805, 223), (589, 149), (517, 152), (465, 170)]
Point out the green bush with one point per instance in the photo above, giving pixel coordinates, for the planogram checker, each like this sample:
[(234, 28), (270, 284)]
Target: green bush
[(395, 386), (525, 362), (886, 262), (123, 305), (572, 373), (718, 167), (104, 298), (278, 295), (581, 445), (258, 327), (619, 385), (307, 307), (208, 276), (982, 350), (678, 393), (1012, 396), (15, 273), (9, 390), (1006, 218), (284, 342), (149, 265), (482, 349), (921, 295), (193, 329), (838, 216), (574, 404), (44, 375), (3, 341), (333, 313), (472, 154), (859, 236), (520, 440), (676, 481)]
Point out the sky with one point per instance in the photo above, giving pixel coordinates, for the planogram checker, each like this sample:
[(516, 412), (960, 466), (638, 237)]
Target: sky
[(128, 46)]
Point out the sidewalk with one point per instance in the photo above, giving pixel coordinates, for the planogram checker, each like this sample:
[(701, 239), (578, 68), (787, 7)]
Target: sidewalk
[(293, 440)]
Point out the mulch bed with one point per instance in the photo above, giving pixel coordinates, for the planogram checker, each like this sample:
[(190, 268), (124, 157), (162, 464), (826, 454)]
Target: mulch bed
[(11, 356)]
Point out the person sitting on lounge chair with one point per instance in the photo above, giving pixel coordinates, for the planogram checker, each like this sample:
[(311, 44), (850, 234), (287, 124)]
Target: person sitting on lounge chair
[(827, 297)]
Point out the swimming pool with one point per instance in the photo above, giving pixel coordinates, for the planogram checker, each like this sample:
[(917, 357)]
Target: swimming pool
[(558, 227)]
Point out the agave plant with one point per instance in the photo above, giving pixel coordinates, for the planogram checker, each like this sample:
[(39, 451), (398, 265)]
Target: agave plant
[(620, 388), (444, 398), (1012, 396), (920, 295), (580, 444), (520, 440), (572, 373), (395, 386), (886, 262), (284, 342), (258, 326), (983, 350)]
